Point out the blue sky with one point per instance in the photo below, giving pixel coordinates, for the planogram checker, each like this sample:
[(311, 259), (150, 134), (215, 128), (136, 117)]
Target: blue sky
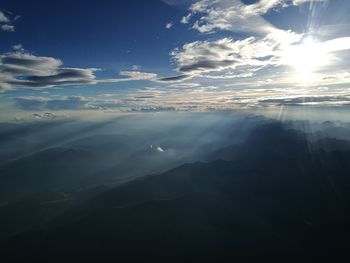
[(112, 35), (133, 55)]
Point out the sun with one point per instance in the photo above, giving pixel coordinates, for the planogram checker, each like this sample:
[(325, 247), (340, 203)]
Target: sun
[(305, 58)]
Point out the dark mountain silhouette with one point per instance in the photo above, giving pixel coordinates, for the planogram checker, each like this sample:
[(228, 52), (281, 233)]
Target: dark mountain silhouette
[(47, 169), (79, 163), (275, 198)]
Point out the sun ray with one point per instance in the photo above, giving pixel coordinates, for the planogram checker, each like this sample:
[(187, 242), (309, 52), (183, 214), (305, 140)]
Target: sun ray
[(305, 58)]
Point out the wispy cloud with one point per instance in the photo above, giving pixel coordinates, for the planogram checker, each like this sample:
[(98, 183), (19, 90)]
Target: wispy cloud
[(268, 51), (22, 69), (250, 63), (169, 25), (7, 20), (3, 18), (138, 75), (227, 53), (233, 15), (308, 100)]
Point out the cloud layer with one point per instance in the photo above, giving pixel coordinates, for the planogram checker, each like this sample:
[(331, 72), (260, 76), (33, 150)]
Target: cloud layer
[(240, 60), (227, 53), (23, 69)]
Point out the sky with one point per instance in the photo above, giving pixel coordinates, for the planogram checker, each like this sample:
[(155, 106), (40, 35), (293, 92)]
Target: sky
[(59, 58)]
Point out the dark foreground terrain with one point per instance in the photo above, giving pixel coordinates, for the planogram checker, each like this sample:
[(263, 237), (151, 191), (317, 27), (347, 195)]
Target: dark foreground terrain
[(276, 197)]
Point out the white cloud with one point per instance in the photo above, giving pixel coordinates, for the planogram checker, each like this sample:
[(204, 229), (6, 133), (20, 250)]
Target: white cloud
[(186, 19), (138, 75), (3, 18), (300, 2), (275, 52), (6, 22), (246, 71), (160, 149), (210, 56), (157, 148), (22, 69), (169, 25), (135, 67), (46, 115), (230, 15), (337, 44), (18, 47), (8, 28), (233, 15)]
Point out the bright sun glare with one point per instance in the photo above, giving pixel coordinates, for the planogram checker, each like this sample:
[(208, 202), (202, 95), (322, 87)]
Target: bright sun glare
[(306, 58)]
